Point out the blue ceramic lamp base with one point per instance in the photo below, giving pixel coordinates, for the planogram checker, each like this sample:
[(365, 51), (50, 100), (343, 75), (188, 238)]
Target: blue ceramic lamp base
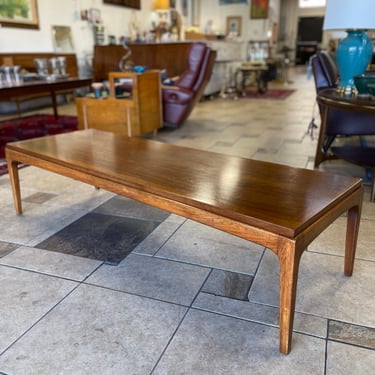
[(353, 56)]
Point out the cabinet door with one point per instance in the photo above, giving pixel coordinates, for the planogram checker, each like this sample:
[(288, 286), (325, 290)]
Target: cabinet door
[(149, 106), (106, 114)]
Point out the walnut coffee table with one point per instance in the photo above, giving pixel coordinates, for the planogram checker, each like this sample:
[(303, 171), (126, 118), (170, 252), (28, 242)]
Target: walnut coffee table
[(276, 206)]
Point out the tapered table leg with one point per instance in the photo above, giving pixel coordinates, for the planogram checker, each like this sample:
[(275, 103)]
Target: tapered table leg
[(352, 228), (15, 182), (289, 260)]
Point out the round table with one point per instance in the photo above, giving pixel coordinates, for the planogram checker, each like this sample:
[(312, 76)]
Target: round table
[(364, 156)]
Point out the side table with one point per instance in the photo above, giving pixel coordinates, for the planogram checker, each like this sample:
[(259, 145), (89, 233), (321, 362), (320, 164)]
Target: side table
[(135, 114), (246, 70), (364, 156)]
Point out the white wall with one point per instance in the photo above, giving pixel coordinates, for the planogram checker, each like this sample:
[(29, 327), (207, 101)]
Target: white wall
[(58, 12), (252, 29), (116, 22)]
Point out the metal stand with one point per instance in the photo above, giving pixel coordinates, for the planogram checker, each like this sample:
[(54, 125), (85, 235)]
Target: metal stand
[(310, 129), (311, 126)]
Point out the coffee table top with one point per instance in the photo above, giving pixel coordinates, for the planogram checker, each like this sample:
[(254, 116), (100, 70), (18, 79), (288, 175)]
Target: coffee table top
[(277, 198)]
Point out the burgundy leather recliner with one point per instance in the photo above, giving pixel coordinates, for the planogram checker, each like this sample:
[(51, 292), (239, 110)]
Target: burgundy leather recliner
[(180, 99)]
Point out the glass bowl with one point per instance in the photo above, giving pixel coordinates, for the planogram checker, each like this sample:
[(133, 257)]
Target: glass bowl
[(363, 83)]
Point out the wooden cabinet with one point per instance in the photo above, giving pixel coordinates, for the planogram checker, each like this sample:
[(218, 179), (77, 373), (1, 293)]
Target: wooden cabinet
[(139, 112), (170, 56)]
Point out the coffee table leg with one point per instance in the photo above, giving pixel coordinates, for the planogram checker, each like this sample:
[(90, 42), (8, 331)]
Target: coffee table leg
[(54, 104), (289, 259), (15, 182), (352, 228)]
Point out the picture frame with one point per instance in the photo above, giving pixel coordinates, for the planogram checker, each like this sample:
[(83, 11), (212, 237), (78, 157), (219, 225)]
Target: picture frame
[(94, 15), (20, 16), (135, 4), (234, 25), (225, 2), (259, 9)]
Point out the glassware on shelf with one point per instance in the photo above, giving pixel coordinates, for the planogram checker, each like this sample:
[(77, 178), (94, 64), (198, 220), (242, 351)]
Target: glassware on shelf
[(54, 66), (8, 74), (16, 74), (61, 62), (42, 67)]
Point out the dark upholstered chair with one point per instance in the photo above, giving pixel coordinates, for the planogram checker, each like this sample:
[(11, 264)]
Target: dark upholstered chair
[(180, 99), (339, 122)]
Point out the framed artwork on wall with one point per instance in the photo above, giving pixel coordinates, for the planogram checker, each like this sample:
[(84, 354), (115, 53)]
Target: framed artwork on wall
[(94, 15), (223, 2), (234, 25), (135, 4), (21, 14), (259, 9)]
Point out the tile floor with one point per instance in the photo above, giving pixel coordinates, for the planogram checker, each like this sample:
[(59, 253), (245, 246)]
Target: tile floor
[(188, 299)]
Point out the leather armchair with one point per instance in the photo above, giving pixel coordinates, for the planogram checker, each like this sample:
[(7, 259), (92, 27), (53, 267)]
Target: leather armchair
[(339, 122), (180, 99)]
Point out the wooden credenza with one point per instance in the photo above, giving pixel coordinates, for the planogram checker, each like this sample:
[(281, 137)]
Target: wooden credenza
[(135, 114), (169, 56)]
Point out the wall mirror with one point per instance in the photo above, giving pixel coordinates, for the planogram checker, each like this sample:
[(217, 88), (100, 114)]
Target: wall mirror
[(62, 39)]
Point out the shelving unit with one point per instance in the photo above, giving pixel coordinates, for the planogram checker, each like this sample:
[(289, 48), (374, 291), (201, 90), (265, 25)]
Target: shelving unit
[(139, 112)]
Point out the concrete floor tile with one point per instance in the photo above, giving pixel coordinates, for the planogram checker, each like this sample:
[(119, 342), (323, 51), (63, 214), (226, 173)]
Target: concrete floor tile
[(25, 298), (51, 263), (81, 196), (343, 359), (201, 347), (6, 248), (95, 331), (368, 207), (323, 289), (152, 277), (332, 240), (101, 237), (65, 191), (39, 197), (155, 240), (255, 312), (37, 222), (351, 334), (228, 284), (125, 207), (198, 244), (45, 181)]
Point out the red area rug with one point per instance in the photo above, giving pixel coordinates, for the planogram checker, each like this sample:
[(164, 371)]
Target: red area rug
[(279, 94), (32, 127)]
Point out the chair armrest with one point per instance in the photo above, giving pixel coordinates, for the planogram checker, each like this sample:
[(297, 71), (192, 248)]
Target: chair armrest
[(176, 95)]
